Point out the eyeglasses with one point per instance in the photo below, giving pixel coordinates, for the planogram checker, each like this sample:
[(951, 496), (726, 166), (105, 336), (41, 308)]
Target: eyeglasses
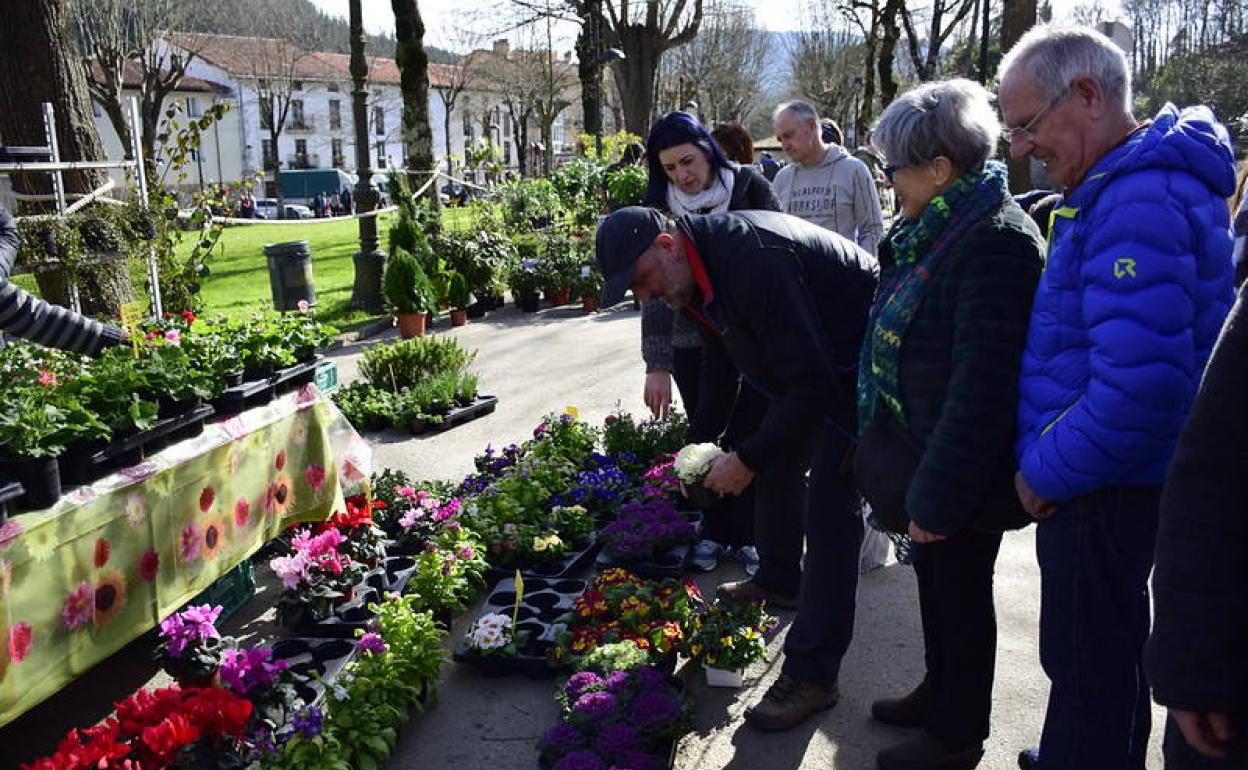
[(1010, 134), (890, 171)]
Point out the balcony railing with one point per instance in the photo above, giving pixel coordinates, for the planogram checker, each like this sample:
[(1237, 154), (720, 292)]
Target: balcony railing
[(303, 160), (305, 123)]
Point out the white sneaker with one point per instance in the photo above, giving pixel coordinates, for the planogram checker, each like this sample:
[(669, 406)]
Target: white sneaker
[(706, 555), (748, 556)]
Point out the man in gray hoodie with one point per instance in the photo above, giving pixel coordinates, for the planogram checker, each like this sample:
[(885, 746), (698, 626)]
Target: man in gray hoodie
[(824, 184)]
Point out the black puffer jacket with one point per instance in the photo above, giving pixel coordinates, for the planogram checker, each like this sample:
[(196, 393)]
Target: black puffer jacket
[(1195, 657), (789, 308), (959, 374)]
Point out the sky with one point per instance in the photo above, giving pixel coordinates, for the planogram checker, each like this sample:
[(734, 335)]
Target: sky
[(443, 16)]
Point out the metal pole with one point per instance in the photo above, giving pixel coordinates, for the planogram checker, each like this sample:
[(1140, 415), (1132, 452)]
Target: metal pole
[(140, 169), (369, 260), (597, 93), (58, 178)]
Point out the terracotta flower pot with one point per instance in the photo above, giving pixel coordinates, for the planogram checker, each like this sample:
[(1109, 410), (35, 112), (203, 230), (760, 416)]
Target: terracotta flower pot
[(459, 317), (589, 304), (411, 325), (560, 297)]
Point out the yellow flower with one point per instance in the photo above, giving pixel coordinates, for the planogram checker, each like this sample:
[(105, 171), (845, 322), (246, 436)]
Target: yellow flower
[(726, 641), (41, 541), (695, 650)]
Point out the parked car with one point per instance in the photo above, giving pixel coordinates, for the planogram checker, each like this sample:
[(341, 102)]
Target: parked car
[(266, 208)]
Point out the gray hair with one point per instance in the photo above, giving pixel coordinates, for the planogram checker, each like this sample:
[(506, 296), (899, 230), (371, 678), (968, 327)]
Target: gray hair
[(953, 118), (799, 108), (1054, 56)]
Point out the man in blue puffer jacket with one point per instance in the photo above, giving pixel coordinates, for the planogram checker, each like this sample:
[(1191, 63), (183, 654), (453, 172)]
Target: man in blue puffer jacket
[(1137, 284)]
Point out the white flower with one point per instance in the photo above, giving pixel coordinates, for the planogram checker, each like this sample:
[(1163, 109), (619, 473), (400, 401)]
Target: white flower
[(694, 461), (494, 620), (340, 692), (489, 632), (293, 570)]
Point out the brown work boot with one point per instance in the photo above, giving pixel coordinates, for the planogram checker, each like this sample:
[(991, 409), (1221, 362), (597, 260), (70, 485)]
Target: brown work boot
[(928, 753), (788, 702), (909, 711), (746, 591)]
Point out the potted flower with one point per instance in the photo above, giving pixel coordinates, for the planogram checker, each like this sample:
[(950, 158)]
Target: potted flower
[(491, 636), (693, 464), (460, 297), (316, 576), (525, 283), (409, 291), (589, 287), (727, 637), (644, 530), (365, 541), (190, 647)]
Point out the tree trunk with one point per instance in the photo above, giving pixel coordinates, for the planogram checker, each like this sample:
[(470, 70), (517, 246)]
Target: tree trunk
[(1018, 17), (413, 62), (40, 65), (634, 77), (591, 81), (890, 33), (447, 106)]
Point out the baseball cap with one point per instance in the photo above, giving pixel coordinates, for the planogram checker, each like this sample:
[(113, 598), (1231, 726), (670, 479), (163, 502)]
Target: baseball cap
[(621, 239)]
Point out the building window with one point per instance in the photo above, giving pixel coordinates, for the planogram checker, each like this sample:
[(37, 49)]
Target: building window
[(297, 119), (507, 152), (336, 150), (335, 114), (379, 121), (192, 107), (296, 85), (507, 123), (332, 88), (266, 113), (96, 110), (468, 126), (270, 157), (381, 155)]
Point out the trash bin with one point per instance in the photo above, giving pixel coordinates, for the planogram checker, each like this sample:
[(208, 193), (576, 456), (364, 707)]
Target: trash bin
[(290, 274)]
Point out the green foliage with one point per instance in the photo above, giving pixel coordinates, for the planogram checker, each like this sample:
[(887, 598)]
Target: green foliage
[(483, 257), (627, 185), (579, 184), (403, 364), (529, 203), (617, 656), (612, 145), (1217, 77), (729, 635), (365, 406), (589, 281), (458, 293), (646, 440), (407, 287), (448, 572), (560, 264)]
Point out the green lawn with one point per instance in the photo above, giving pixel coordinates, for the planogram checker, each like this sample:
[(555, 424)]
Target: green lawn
[(239, 278)]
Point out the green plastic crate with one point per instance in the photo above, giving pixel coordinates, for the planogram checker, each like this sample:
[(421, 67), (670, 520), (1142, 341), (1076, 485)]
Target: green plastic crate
[(232, 590)]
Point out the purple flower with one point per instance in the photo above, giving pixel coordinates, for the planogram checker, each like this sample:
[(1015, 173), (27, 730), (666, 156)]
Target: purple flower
[(595, 705), (580, 760), (191, 626), (247, 669), (650, 678), (308, 721), (617, 682), (638, 760), (561, 739), (579, 683), (652, 709), (373, 644), (617, 740)]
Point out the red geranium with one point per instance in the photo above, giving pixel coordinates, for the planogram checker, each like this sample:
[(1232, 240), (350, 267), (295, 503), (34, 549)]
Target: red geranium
[(162, 742)]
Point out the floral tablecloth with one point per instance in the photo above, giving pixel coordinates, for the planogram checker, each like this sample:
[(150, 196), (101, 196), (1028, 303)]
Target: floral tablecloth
[(80, 580)]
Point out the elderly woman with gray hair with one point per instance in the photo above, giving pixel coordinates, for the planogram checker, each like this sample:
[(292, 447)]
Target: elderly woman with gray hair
[(937, 398)]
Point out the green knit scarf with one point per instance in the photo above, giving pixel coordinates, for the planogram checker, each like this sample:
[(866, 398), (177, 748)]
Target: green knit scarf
[(918, 246)]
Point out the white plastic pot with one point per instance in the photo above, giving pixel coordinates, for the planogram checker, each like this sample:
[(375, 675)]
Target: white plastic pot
[(722, 677)]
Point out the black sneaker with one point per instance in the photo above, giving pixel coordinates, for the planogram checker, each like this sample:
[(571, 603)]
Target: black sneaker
[(1029, 759)]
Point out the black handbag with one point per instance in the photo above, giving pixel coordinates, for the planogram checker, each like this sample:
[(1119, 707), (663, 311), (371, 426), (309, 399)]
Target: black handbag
[(885, 462)]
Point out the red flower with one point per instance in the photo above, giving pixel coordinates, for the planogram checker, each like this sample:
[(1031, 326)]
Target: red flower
[(280, 463), (162, 742), (206, 499), (47, 378), (102, 550), (149, 565), (217, 711), (20, 637), (242, 511), (188, 316)]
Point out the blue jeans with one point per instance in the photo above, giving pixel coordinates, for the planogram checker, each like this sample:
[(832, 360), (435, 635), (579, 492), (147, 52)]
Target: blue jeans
[(1095, 556), (824, 624)]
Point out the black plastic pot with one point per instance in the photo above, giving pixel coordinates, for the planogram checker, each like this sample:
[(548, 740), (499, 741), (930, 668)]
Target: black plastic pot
[(40, 477), (530, 303), (80, 464), (477, 309), (233, 379)]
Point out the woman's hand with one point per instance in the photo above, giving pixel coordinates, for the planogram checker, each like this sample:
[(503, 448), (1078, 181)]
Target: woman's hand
[(658, 393)]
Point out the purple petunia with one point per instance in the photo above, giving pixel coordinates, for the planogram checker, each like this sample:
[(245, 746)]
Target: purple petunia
[(617, 682), (373, 644), (308, 721), (617, 740), (595, 705), (561, 739), (653, 710), (579, 683), (580, 760)]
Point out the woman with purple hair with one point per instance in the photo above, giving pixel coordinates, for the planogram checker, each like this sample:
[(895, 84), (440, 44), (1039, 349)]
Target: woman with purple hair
[(689, 174)]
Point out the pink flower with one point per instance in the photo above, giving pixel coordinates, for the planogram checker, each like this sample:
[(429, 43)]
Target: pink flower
[(9, 532), (242, 511), (174, 337), (372, 644), (302, 305), (189, 546), (47, 379), (20, 637), (466, 552), (293, 570), (314, 474), (78, 606), (149, 565)]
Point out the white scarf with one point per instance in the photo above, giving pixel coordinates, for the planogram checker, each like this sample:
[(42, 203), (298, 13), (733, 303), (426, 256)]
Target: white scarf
[(712, 200)]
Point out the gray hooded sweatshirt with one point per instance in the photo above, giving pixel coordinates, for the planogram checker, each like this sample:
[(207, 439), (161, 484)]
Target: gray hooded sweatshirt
[(837, 193)]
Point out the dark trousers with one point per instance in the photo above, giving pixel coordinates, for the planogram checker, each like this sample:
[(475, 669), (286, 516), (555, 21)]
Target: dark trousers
[(1180, 756), (1095, 556), (959, 632), (733, 521), (821, 633), (687, 372)]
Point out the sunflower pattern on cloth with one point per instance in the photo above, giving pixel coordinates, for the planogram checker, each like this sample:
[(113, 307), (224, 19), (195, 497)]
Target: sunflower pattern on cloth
[(80, 580)]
